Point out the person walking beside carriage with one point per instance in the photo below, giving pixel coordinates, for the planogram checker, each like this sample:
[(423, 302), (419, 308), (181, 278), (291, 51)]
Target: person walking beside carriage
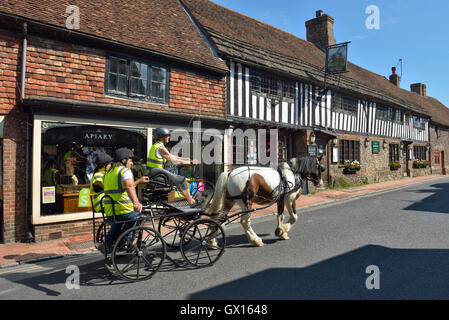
[(158, 156), (120, 186), (103, 165)]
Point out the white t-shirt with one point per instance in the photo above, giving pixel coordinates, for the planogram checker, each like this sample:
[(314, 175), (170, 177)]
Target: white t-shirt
[(127, 175)]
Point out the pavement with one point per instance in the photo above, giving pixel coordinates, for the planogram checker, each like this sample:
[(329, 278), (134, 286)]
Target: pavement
[(21, 253)]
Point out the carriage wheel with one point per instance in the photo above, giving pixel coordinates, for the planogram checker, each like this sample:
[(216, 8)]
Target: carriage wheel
[(202, 242), (171, 229), (204, 192), (138, 253)]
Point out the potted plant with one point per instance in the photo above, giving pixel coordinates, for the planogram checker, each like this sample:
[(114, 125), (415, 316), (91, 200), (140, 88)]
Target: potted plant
[(352, 166), (425, 163), (395, 165)]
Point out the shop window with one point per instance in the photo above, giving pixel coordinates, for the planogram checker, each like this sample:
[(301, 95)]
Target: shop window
[(137, 79), (349, 151), (420, 152), (394, 152), (68, 155), (344, 103)]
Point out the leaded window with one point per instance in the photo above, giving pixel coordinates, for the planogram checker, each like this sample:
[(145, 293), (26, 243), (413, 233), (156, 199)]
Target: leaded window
[(137, 79), (349, 151), (344, 103)]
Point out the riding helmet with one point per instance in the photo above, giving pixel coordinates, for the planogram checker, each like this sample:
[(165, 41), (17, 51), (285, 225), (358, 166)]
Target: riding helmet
[(103, 159), (160, 133), (122, 153)]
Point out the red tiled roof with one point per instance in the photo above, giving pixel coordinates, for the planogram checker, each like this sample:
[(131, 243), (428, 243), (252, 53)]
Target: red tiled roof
[(231, 31), (158, 25)]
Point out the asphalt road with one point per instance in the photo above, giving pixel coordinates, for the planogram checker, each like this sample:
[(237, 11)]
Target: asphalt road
[(393, 245)]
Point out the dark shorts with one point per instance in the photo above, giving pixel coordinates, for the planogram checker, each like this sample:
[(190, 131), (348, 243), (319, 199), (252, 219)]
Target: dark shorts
[(179, 181)]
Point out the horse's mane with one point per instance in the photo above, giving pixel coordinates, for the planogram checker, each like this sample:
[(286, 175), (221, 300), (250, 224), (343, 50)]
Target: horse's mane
[(305, 164)]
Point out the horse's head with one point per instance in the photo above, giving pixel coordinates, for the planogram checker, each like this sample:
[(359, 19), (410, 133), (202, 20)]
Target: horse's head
[(308, 167)]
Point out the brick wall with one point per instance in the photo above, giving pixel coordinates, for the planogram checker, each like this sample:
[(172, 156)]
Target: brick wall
[(439, 143), (71, 72), (13, 218), (68, 72)]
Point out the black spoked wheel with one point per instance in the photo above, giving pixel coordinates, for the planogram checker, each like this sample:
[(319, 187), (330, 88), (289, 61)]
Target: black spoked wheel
[(202, 242), (203, 192), (171, 229), (138, 253)]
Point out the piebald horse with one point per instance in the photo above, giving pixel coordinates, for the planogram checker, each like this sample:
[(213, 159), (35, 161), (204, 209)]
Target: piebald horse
[(247, 186)]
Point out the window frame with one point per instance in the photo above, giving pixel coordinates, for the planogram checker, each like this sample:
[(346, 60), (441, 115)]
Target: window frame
[(136, 96), (347, 104), (394, 152), (347, 147), (384, 112), (420, 152)]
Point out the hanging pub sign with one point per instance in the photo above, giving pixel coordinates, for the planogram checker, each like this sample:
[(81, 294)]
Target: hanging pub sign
[(312, 150), (337, 58)]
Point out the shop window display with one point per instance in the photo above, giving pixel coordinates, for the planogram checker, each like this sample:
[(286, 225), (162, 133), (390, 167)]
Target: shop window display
[(68, 156)]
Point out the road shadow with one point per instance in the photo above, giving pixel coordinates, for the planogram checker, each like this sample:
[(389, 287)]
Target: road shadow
[(435, 202), (404, 274)]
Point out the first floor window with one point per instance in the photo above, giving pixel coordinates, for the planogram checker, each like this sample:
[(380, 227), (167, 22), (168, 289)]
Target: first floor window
[(137, 79), (349, 150)]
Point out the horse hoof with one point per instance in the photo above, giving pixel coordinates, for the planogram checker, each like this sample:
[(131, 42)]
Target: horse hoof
[(284, 236), (278, 232), (258, 243)]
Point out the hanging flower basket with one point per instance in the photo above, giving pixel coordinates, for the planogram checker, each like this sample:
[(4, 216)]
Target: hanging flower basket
[(351, 166)]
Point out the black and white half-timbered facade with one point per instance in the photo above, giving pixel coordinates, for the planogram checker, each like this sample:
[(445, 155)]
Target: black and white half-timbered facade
[(276, 80)]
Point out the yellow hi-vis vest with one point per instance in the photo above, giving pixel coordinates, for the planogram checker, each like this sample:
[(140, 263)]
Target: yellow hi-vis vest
[(97, 196), (153, 161), (115, 188)]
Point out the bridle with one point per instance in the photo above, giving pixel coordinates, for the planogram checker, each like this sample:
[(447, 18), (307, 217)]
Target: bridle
[(298, 176)]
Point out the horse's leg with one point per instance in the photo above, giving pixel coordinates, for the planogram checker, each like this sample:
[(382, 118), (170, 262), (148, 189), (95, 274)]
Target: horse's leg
[(246, 224), (280, 230), (212, 243), (291, 208)]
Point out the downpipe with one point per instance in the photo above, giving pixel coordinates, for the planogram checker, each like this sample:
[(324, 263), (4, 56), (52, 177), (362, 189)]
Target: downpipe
[(29, 234)]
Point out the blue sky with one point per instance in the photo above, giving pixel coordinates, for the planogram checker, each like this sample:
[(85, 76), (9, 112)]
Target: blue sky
[(415, 31)]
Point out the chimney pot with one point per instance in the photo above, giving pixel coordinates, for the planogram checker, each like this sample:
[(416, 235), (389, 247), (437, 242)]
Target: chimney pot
[(319, 13)]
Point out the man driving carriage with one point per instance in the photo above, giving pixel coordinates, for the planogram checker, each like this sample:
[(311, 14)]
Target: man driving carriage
[(158, 156)]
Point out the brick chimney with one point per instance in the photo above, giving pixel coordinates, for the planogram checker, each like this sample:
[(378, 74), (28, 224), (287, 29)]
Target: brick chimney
[(419, 88), (394, 78), (320, 30)]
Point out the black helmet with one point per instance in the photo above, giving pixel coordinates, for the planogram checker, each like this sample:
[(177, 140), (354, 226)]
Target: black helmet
[(161, 132), (103, 159), (122, 153)]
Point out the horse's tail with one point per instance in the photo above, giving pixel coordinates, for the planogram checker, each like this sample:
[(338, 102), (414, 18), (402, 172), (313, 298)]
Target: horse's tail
[(219, 198)]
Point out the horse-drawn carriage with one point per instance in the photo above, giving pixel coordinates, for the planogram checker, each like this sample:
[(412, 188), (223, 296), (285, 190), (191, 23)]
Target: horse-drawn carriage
[(198, 232)]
